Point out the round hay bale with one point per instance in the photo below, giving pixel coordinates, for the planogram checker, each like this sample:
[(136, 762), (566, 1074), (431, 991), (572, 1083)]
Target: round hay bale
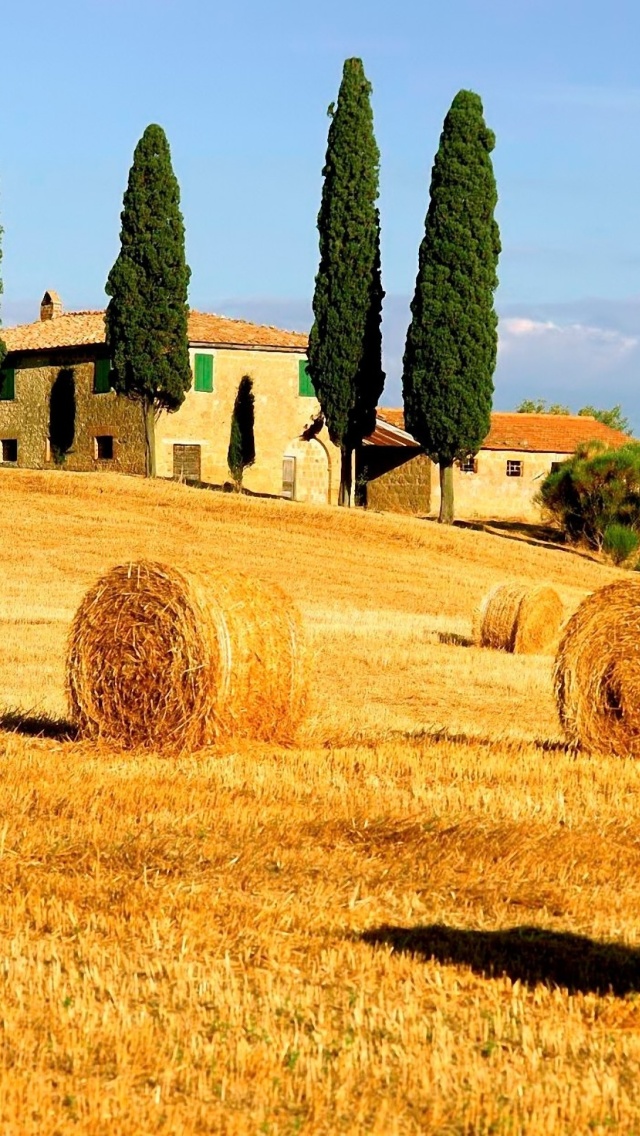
[(516, 618), (173, 660), (597, 672)]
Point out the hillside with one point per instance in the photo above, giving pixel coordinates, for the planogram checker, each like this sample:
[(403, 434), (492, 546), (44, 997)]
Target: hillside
[(376, 592), (423, 919)]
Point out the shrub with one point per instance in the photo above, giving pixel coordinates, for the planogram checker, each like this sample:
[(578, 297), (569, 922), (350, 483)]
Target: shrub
[(594, 489), (619, 542)]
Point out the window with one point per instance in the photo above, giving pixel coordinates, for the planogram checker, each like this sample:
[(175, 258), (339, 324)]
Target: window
[(305, 386), (203, 373), (289, 478), (186, 462), (9, 450), (514, 469), (101, 372), (104, 447), (469, 465), (7, 384), (555, 466)]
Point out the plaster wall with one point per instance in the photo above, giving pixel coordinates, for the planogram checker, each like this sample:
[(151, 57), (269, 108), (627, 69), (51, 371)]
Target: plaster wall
[(281, 416), (489, 493)]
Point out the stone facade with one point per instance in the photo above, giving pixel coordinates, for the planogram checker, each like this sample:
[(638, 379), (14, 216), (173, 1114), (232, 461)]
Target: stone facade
[(26, 419), (488, 491), (394, 479), (106, 431), (282, 417)]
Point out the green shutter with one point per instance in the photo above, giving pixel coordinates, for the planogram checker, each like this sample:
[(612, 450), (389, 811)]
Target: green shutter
[(101, 372), (7, 384), (203, 373), (305, 386)]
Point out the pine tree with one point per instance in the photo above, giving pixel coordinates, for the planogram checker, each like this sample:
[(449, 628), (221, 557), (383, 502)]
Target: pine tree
[(345, 349), (146, 319), (242, 446), (451, 347)]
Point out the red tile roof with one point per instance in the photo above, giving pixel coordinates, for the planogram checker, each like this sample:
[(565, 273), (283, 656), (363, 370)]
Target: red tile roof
[(535, 433), (79, 329)]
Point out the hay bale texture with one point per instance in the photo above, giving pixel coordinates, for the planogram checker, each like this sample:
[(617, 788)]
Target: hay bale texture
[(516, 618), (597, 672), (165, 659)]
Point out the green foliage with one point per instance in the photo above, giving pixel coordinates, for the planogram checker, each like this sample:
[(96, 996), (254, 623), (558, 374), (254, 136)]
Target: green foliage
[(540, 406), (3, 346), (450, 353), (345, 347), (619, 541), (613, 417), (242, 447), (594, 489), (146, 319)]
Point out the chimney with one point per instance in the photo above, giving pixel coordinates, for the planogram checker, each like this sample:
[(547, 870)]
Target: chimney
[(51, 306)]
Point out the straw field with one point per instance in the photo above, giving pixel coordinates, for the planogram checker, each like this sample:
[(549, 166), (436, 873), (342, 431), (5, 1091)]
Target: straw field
[(423, 918)]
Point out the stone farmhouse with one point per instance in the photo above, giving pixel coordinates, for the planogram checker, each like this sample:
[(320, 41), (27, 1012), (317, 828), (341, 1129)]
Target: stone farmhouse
[(57, 408), (519, 451), (55, 381)]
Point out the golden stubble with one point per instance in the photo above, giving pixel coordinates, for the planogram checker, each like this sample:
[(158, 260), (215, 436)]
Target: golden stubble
[(422, 918)]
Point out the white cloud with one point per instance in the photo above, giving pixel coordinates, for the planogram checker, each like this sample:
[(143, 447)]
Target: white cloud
[(568, 361)]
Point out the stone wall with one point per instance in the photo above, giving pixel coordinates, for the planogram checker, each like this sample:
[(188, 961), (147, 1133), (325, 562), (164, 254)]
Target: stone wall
[(27, 418), (395, 479), (281, 417), (490, 494)]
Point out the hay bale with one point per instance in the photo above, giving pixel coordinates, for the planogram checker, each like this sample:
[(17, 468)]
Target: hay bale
[(516, 618), (597, 672), (167, 659)]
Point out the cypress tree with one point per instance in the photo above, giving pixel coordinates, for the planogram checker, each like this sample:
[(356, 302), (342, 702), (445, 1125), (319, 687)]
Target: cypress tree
[(242, 446), (3, 346), (146, 319), (345, 347), (451, 347)]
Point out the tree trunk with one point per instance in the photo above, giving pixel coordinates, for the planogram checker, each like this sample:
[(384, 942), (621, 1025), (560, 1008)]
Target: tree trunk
[(346, 476), (149, 418), (446, 494)]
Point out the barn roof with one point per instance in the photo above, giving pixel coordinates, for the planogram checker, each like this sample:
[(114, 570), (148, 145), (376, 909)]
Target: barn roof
[(79, 329), (534, 433)]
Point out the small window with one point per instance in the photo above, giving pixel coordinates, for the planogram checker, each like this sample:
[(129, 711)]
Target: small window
[(9, 450), (305, 386), (289, 478), (7, 384), (203, 373), (555, 466), (469, 465), (187, 462), (101, 372), (514, 469), (104, 447)]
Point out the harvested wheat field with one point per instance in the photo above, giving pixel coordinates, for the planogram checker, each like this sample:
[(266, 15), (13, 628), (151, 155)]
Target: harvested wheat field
[(424, 916)]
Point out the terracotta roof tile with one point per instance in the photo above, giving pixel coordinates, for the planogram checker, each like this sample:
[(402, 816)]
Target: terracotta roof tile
[(534, 433), (548, 433), (79, 329)]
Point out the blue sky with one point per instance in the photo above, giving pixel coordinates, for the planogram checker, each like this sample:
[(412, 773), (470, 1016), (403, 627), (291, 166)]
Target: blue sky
[(242, 91)]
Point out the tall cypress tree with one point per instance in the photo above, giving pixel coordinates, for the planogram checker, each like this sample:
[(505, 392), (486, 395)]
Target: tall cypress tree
[(345, 347), (450, 354), (3, 346), (146, 319)]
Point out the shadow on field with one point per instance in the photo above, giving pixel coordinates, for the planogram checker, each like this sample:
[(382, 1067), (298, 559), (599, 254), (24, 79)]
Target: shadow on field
[(527, 954), (37, 726)]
